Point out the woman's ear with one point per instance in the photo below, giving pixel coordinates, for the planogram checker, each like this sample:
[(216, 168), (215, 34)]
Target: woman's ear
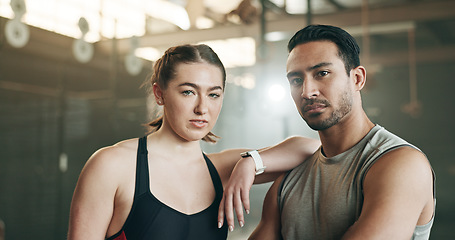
[(158, 94), (360, 77)]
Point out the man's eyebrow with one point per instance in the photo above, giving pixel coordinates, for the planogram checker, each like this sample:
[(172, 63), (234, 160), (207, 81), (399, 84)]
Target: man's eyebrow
[(195, 86), (299, 73), (322, 64), (293, 74)]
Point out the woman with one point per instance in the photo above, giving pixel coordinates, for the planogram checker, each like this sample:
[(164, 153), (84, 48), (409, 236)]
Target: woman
[(162, 186)]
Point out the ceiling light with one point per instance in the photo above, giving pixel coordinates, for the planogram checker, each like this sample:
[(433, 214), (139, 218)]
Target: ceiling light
[(148, 53), (228, 51), (276, 92)]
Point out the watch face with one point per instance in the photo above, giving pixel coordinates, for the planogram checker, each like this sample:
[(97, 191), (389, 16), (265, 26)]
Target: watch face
[(245, 154)]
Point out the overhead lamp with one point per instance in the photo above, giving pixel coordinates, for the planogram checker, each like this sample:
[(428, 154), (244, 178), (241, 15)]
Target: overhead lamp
[(276, 92)]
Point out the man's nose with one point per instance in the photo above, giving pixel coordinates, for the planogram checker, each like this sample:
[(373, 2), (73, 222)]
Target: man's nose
[(309, 89)]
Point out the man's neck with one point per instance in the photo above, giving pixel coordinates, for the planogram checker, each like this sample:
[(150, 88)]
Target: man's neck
[(345, 134)]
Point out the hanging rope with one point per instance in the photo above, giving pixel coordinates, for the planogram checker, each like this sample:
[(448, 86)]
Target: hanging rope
[(365, 33), (413, 108)]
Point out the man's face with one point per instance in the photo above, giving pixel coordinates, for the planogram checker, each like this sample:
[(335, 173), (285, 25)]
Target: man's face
[(321, 88)]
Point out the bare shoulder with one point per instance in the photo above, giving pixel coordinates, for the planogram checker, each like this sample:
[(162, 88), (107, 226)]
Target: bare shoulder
[(110, 168), (117, 151), (398, 193), (403, 160), (104, 189), (405, 171), (114, 158)]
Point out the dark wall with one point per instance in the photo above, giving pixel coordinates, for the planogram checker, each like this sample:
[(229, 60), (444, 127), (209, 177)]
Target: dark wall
[(37, 125), (59, 106), (432, 131)]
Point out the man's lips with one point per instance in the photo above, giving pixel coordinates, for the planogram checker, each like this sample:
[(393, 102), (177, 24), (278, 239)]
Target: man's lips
[(313, 108)]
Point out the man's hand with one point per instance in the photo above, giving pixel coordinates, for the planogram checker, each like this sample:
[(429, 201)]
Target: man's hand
[(236, 194)]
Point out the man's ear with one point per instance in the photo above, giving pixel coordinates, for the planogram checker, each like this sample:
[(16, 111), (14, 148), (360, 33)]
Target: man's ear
[(158, 94), (359, 75)]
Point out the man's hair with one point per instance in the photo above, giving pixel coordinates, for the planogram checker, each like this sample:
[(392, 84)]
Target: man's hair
[(348, 49)]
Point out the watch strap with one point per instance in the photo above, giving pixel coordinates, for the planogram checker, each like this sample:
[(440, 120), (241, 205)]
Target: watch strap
[(260, 168)]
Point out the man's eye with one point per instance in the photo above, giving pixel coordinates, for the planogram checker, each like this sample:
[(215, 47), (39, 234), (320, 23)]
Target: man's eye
[(296, 81), (323, 73)]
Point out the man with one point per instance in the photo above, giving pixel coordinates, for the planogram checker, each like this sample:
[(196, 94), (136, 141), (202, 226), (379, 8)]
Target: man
[(364, 182)]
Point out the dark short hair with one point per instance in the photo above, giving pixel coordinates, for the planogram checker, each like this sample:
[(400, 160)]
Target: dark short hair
[(348, 49)]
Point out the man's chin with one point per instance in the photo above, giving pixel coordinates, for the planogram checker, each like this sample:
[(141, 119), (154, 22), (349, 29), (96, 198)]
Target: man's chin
[(318, 125)]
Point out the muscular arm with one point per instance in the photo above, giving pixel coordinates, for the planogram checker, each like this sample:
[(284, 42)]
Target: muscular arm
[(93, 200), (277, 159), (269, 228), (398, 195)]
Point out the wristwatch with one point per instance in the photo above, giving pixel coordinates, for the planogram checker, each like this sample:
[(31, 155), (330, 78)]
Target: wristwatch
[(257, 160)]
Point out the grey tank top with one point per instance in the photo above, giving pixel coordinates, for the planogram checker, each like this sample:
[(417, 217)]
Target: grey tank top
[(322, 197)]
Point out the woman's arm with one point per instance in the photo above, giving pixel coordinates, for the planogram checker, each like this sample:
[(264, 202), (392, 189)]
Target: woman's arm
[(93, 199), (277, 159)]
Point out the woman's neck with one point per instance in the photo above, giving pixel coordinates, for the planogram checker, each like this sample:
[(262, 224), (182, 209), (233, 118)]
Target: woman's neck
[(168, 141)]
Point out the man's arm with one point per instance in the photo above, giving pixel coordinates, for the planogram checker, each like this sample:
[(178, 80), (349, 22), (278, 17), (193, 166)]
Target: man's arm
[(269, 228), (277, 159), (398, 195)]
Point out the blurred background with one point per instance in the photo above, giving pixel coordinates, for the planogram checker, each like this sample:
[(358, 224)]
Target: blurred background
[(71, 73)]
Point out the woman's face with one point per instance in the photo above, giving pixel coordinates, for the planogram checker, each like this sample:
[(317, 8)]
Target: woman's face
[(192, 100)]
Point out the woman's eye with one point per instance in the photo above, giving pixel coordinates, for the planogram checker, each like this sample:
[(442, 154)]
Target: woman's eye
[(214, 95), (188, 92)]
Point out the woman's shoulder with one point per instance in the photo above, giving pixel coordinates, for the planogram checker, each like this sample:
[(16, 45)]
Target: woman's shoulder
[(118, 155), (123, 146)]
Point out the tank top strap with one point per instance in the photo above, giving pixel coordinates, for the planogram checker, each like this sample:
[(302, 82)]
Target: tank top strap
[(142, 171), (216, 180)]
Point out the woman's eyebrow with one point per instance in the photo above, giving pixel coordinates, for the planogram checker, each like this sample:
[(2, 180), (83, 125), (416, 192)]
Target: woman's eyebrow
[(195, 86)]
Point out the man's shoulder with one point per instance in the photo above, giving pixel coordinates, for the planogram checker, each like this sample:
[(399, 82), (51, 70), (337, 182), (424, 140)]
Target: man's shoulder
[(396, 152), (383, 140)]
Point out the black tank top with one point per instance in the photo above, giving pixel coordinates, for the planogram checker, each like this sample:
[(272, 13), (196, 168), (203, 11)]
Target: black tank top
[(149, 218)]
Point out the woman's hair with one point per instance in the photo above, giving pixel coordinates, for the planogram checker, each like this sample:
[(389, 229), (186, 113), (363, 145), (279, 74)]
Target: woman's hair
[(348, 49), (164, 71)]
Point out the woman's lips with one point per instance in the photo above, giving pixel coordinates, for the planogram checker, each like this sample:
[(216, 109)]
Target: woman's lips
[(199, 123)]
